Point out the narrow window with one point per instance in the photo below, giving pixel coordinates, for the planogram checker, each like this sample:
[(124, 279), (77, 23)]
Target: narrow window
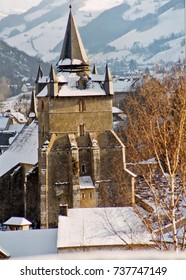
[(82, 106), (83, 195), (83, 170), (43, 131), (91, 195), (82, 129), (42, 105)]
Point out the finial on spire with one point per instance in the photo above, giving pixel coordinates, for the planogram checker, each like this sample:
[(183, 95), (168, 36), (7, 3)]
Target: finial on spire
[(70, 6)]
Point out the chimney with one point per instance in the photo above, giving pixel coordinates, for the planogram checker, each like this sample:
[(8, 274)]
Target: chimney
[(63, 210)]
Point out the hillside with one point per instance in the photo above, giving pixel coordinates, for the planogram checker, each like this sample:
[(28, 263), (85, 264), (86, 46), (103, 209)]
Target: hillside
[(18, 67), (116, 31)]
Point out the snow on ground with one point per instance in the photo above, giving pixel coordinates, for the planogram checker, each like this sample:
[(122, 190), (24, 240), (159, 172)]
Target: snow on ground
[(175, 53), (98, 5), (15, 7), (142, 8), (169, 23), (51, 35), (11, 103)]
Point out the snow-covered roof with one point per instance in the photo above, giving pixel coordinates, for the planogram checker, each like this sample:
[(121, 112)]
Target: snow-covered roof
[(94, 90), (68, 61), (86, 182), (19, 117), (23, 149), (123, 85), (3, 122), (17, 221), (70, 90), (116, 110), (98, 77), (101, 227), (28, 242), (16, 127)]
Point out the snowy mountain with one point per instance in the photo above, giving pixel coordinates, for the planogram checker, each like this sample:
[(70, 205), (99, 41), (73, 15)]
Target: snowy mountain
[(16, 7), (119, 32)]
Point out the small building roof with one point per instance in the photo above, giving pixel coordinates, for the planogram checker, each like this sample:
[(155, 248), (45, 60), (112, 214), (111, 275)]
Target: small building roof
[(116, 226), (17, 221), (86, 182), (19, 117), (21, 243), (116, 110)]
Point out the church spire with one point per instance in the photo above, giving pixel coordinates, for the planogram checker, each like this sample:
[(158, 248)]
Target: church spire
[(108, 85), (73, 57), (52, 83), (39, 74), (33, 114), (52, 74), (94, 70)]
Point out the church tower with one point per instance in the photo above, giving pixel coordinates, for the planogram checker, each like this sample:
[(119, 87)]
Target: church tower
[(81, 159)]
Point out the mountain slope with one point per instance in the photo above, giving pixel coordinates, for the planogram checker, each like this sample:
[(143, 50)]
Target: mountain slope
[(140, 30), (18, 67)]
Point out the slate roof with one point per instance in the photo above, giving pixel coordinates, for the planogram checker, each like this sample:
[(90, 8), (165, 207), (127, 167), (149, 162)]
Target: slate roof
[(73, 53)]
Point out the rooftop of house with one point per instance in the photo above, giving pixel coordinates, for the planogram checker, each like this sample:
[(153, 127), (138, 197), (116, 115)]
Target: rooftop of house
[(28, 243), (86, 182), (17, 221), (22, 150), (4, 121), (87, 227)]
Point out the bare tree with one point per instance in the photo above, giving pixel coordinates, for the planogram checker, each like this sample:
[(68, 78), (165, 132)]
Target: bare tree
[(4, 89), (156, 129)]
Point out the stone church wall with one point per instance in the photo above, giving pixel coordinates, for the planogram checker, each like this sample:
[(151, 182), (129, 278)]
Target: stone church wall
[(33, 197), (12, 194)]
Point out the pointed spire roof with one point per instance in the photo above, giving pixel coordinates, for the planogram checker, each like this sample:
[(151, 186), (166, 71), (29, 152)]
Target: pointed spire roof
[(52, 74), (108, 84), (108, 76), (33, 107), (73, 57), (39, 74), (94, 70)]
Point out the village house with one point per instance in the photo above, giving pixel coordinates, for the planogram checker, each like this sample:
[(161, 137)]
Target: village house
[(11, 125), (109, 228)]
